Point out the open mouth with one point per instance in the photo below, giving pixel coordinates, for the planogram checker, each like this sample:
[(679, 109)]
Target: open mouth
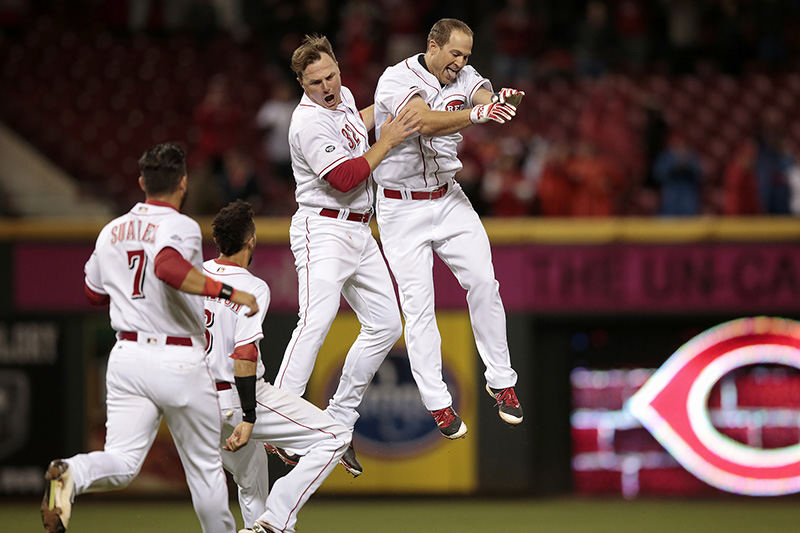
[(451, 73), (329, 99)]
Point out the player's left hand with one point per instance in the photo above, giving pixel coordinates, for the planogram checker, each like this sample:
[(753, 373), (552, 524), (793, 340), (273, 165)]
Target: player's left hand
[(508, 96), (239, 437)]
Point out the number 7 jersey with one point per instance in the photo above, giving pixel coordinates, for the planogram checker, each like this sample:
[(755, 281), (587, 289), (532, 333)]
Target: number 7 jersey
[(122, 266)]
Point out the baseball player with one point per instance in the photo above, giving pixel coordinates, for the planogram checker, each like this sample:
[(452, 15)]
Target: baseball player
[(335, 253), (251, 409), (421, 209), (145, 264)]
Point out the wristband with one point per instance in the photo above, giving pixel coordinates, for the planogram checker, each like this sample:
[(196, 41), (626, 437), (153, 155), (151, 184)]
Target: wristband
[(226, 291), (246, 387)]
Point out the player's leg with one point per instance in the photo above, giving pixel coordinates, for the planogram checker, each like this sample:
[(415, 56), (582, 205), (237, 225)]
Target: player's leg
[(288, 421), (463, 245), (248, 466), (324, 258), (131, 425), (191, 410), (371, 296), (405, 227)]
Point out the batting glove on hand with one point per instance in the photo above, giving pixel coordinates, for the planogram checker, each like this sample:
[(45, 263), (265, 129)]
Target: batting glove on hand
[(508, 96), (496, 111)]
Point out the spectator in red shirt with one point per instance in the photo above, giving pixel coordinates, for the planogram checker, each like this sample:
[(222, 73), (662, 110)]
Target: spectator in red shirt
[(740, 187)]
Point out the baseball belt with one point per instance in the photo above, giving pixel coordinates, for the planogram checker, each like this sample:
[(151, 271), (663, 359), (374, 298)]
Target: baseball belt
[(418, 195), (353, 217)]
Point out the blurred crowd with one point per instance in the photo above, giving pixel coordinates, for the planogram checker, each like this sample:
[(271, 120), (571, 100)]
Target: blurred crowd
[(614, 147)]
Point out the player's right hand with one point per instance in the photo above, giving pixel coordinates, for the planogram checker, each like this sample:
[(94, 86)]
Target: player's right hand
[(498, 112), (239, 437), (395, 129), (245, 298)]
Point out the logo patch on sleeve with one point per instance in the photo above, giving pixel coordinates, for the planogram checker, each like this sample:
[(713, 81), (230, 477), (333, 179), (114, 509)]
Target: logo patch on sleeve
[(330, 148)]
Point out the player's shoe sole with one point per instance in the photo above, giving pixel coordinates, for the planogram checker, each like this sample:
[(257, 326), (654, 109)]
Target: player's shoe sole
[(259, 527), (508, 407), (289, 459), (350, 462), (58, 494)]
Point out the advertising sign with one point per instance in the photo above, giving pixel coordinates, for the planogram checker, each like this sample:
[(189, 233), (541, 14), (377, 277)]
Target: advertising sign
[(396, 439)]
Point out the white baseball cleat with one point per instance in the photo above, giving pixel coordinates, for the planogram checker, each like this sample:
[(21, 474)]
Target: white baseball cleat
[(58, 495)]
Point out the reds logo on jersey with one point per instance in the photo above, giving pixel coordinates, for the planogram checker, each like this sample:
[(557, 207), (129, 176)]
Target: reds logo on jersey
[(454, 105), (672, 405)]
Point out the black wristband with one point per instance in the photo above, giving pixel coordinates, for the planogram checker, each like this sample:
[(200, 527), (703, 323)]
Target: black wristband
[(226, 291), (246, 387)]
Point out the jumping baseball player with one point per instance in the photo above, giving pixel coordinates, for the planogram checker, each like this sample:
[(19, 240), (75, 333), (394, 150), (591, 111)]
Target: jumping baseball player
[(421, 209), (145, 264), (335, 253), (252, 410)]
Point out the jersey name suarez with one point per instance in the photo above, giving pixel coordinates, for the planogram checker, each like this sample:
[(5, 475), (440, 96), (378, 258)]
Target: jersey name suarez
[(123, 266), (134, 230)]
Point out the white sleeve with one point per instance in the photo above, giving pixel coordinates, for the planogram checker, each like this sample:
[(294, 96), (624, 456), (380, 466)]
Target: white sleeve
[(94, 277), (322, 146), (474, 81), (395, 90), (183, 234), (249, 329)]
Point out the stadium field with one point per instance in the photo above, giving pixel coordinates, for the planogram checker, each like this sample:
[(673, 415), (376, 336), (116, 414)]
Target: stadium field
[(444, 516)]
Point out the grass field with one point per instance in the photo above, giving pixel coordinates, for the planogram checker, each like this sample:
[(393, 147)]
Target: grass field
[(445, 516)]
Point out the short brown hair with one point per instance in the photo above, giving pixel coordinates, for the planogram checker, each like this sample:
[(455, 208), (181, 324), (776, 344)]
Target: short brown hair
[(440, 32), (309, 51), (162, 168)]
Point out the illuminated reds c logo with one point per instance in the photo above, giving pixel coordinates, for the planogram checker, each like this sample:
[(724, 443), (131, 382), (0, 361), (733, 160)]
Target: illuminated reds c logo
[(672, 405)]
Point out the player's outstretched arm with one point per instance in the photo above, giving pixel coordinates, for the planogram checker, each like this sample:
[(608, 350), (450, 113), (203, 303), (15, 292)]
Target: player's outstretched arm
[(171, 268), (354, 171)]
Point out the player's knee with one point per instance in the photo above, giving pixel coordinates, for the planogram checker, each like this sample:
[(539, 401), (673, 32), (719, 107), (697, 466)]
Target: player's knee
[(394, 330), (128, 470), (483, 286)]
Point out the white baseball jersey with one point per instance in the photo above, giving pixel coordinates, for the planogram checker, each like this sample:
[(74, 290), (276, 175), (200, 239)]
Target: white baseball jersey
[(320, 140), (227, 327), (419, 162), (282, 419), (122, 266), (151, 377)]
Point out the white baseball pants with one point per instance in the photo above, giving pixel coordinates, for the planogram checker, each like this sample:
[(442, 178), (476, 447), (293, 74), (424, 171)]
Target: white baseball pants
[(337, 258), (145, 382), (286, 421), (411, 230)]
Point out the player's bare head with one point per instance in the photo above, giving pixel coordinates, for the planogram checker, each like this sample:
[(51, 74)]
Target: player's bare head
[(162, 167), (317, 71), (233, 227), (449, 49)]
